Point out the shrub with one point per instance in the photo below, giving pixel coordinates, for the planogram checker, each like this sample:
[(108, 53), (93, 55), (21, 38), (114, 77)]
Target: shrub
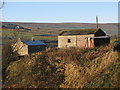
[(8, 56)]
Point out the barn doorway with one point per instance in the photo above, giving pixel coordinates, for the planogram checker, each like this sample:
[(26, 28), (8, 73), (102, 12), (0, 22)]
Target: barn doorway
[(89, 42)]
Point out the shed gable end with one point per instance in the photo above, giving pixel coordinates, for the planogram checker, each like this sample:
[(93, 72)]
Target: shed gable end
[(99, 32)]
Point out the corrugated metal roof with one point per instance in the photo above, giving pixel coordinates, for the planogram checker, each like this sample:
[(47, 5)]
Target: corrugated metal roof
[(34, 42)]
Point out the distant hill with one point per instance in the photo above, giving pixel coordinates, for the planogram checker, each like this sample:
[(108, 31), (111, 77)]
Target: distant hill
[(110, 28), (8, 25)]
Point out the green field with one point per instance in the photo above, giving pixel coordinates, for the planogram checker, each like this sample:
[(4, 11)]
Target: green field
[(46, 35)]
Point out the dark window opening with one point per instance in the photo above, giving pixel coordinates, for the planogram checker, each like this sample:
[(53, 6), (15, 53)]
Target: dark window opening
[(69, 40)]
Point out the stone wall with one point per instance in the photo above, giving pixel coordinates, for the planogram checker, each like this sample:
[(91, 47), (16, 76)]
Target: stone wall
[(76, 41), (63, 41), (84, 41), (20, 48), (36, 48)]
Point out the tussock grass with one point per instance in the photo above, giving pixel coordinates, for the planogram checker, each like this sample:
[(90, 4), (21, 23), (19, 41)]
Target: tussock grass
[(65, 68)]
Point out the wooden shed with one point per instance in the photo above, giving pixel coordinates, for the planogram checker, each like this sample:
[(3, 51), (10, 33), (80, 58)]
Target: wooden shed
[(100, 38), (27, 47), (83, 38)]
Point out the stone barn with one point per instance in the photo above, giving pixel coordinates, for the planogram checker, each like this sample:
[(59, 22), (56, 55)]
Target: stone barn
[(83, 38), (27, 47)]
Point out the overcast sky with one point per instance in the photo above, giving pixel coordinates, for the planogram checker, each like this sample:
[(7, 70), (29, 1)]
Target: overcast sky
[(57, 12)]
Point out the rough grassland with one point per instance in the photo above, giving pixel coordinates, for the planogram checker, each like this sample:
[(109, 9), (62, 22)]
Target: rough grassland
[(65, 68)]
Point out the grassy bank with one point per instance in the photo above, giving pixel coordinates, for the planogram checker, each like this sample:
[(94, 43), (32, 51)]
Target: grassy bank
[(65, 68)]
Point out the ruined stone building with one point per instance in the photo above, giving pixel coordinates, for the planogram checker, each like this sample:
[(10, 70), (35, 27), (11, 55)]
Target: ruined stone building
[(27, 47), (83, 38)]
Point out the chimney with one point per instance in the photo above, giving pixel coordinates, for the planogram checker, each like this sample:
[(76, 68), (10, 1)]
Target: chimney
[(97, 21), (33, 39), (19, 39)]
